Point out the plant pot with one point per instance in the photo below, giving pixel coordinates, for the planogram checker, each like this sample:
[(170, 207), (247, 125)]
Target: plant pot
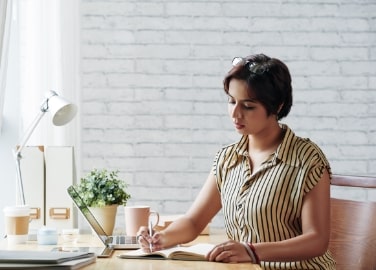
[(106, 216)]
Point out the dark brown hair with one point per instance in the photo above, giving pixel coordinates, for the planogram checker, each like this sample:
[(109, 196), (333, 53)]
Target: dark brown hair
[(268, 80)]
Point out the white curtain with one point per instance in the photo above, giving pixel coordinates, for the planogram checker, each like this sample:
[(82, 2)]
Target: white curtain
[(48, 61), (5, 19)]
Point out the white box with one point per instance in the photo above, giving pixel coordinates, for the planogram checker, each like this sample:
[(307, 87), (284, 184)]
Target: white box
[(60, 173), (32, 172)]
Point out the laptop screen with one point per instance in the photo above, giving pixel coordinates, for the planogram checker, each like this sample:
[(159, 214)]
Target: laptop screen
[(88, 215), (112, 241)]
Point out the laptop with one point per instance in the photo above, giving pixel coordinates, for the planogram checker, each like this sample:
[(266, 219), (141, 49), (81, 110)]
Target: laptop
[(111, 242)]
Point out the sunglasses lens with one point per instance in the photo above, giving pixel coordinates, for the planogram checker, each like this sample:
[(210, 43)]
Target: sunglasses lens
[(258, 69), (253, 67)]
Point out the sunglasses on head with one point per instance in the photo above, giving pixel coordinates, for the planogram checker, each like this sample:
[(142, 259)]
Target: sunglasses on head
[(253, 67)]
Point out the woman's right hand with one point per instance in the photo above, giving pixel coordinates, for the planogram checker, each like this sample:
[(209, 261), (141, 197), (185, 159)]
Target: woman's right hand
[(147, 243)]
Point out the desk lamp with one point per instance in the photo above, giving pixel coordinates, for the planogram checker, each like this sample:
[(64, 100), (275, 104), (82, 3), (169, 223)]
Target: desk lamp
[(62, 113)]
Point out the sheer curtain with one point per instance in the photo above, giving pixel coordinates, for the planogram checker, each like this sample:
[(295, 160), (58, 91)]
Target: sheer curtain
[(43, 56), (5, 19), (48, 61)]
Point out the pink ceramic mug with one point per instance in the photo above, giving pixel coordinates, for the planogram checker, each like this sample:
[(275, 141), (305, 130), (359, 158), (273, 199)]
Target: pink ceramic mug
[(137, 216)]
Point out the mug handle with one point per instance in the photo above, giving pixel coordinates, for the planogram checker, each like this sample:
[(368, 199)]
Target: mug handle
[(157, 216)]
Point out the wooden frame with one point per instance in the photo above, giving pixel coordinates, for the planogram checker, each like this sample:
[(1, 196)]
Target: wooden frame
[(353, 226)]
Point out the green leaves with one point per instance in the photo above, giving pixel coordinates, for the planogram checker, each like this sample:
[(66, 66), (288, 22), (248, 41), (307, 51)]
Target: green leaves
[(101, 187)]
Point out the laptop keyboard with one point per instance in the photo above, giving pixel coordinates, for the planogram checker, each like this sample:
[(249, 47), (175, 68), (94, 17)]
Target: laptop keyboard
[(123, 239)]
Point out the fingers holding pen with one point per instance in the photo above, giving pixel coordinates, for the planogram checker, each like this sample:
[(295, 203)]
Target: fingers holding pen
[(144, 238), (147, 242)]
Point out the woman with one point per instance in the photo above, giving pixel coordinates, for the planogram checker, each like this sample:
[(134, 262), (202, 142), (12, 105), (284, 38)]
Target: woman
[(273, 187)]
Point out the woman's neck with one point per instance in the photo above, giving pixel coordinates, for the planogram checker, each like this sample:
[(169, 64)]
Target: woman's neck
[(267, 140)]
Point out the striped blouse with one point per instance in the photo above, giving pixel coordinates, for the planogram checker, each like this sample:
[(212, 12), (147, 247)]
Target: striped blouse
[(266, 205)]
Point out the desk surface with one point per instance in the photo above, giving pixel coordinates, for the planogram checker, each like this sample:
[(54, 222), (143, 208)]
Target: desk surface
[(140, 264)]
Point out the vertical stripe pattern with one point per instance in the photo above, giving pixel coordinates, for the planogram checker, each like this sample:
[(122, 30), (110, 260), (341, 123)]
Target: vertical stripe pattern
[(266, 205)]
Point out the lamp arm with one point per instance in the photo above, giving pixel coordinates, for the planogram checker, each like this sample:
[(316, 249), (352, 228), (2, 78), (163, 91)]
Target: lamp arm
[(19, 179), (17, 151), (18, 156), (28, 133)]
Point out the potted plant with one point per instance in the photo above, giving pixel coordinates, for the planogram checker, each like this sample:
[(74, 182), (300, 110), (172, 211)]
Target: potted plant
[(103, 191)]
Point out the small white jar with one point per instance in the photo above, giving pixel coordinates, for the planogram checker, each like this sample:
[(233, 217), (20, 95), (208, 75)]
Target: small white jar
[(47, 236)]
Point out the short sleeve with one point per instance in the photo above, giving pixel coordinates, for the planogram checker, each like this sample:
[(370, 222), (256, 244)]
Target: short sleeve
[(216, 171), (318, 164)]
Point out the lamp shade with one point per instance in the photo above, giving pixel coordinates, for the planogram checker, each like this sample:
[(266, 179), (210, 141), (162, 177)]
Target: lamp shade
[(61, 110)]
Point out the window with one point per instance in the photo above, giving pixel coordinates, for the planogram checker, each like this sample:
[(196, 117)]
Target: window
[(5, 19), (43, 55), (47, 42)]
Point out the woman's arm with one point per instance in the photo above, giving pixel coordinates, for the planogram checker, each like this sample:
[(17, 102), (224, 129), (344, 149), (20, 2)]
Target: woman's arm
[(316, 229), (188, 227)]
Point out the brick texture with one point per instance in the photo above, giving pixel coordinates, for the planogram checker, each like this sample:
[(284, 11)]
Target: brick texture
[(152, 100)]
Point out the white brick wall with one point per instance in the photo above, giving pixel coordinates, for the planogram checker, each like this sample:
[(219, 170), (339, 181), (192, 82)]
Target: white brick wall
[(152, 99)]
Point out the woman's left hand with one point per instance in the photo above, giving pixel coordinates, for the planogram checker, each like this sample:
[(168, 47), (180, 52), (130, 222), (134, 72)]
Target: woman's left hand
[(229, 252)]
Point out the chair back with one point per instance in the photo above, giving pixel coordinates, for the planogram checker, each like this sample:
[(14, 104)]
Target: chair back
[(353, 226)]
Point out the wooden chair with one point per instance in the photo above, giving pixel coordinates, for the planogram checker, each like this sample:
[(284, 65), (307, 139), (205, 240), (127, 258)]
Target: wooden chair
[(353, 227)]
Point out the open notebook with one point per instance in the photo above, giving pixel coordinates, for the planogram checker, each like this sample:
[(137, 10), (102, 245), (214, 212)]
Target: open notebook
[(110, 242), (185, 253)]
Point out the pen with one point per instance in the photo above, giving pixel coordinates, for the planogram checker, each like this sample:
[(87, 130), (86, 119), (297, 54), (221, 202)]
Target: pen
[(151, 235)]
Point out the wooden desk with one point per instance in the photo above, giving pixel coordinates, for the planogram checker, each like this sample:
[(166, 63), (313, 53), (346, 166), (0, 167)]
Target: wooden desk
[(142, 264), (136, 264)]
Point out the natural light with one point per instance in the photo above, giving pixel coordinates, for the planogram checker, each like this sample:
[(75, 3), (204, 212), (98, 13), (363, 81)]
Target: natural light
[(43, 55)]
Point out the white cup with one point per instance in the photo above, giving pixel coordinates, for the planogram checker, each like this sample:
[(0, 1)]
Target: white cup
[(17, 220), (137, 216)]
